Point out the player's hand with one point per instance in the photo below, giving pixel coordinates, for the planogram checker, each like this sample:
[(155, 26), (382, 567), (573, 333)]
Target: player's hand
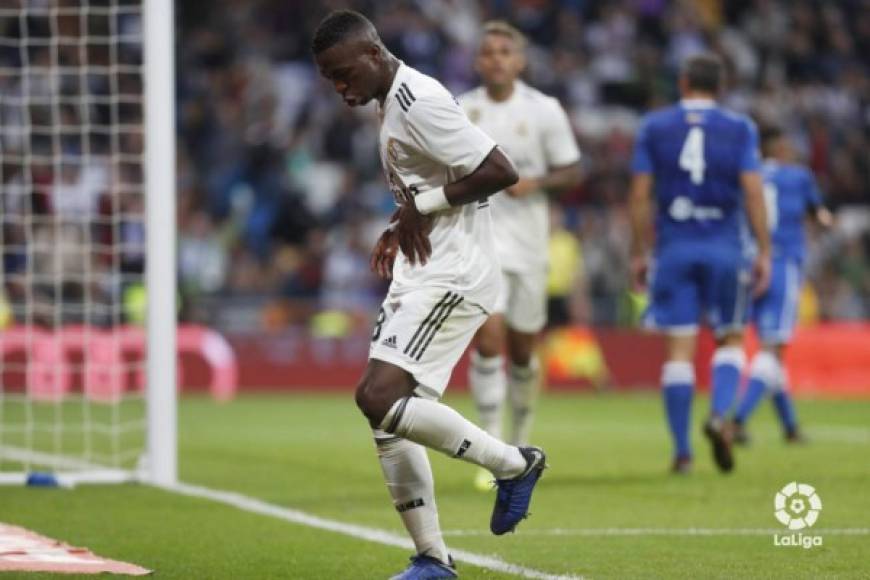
[(639, 271), (760, 274), (412, 234), (384, 254), (523, 187), (824, 217)]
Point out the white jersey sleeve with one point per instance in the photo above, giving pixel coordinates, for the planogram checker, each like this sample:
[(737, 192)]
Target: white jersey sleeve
[(560, 147), (438, 126)]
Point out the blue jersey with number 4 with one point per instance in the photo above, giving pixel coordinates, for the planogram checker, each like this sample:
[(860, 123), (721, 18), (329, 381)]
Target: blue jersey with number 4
[(695, 152), (790, 192)]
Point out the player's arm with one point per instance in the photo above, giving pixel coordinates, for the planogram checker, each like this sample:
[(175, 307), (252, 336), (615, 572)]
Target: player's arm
[(640, 217), (440, 130), (821, 215), (556, 181), (494, 173), (561, 152), (756, 210), (640, 208), (756, 213)]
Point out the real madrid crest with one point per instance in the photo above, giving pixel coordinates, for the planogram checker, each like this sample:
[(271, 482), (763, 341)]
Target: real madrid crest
[(474, 115), (393, 150)]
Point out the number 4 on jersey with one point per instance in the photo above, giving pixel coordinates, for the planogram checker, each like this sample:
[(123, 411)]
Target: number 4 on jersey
[(692, 155)]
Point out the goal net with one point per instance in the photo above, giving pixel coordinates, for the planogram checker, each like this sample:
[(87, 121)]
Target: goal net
[(74, 236)]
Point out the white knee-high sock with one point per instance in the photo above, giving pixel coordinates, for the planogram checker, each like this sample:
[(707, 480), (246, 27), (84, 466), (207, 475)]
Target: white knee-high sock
[(439, 427), (523, 387), (487, 380), (409, 479)]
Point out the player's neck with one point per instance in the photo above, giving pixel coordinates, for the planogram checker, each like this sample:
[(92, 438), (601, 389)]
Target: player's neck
[(500, 93), (698, 97), (390, 71)]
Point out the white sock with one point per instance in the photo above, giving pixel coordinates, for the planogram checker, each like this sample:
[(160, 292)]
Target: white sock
[(765, 367), (487, 380), (523, 387), (409, 479), (439, 427)]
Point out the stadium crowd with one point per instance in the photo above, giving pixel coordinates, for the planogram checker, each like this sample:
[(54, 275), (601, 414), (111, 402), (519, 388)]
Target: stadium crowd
[(280, 190)]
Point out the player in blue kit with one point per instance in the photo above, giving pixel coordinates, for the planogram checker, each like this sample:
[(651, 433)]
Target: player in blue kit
[(791, 195), (700, 164)]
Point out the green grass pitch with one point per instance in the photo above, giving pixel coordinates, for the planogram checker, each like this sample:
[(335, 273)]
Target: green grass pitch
[(608, 456)]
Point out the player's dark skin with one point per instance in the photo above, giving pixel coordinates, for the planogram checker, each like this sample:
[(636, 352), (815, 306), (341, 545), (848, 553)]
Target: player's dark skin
[(361, 69)]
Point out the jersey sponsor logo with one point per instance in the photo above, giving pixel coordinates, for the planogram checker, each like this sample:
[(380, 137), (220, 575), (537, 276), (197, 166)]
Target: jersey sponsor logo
[(405, 97), (683, 209)]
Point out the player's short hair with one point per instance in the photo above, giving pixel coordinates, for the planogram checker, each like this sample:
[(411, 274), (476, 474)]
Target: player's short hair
[(337, 26), (703, 72), (769, 135), (503, 28)]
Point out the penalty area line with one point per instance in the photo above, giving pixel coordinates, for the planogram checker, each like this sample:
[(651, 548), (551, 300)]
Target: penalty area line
[(384, 537)]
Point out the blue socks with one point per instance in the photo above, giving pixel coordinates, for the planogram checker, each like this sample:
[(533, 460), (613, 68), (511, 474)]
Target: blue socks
[(763, 376), (754, 392), (728, 364), (678, 387), (785, 409)]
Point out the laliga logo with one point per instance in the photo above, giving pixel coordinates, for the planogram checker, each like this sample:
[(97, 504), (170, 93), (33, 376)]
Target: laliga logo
[(797, 507)]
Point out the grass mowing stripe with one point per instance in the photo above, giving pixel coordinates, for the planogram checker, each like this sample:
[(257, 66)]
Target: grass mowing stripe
[(386, 538), (602, 532)]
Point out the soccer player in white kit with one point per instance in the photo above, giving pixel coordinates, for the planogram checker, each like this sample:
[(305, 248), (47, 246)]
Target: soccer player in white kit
[(535, 132), (439, 253)]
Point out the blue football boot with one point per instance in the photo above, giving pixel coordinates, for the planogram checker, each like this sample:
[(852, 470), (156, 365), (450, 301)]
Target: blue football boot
[(514, 495), (427, 568)]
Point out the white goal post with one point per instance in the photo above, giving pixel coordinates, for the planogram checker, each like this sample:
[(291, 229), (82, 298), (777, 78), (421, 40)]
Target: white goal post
[(87, 242)]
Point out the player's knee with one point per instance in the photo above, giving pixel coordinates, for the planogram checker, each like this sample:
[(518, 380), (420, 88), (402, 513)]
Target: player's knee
[(489, 344), (374, 397)]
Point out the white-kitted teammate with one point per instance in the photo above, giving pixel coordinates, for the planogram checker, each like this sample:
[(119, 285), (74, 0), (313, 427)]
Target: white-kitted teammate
[(445, 281), (535, 132)]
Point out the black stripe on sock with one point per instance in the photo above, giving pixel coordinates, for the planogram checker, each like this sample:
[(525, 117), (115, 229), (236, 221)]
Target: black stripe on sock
[(432, 334), (385, 440), (398, 416), (426, 320), (409, 505)]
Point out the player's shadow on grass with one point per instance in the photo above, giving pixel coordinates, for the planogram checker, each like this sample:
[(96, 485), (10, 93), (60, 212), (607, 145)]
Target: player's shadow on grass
[(554, 480)]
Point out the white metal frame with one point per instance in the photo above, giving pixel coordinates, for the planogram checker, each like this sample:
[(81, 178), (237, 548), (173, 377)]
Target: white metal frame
[(161, 466)]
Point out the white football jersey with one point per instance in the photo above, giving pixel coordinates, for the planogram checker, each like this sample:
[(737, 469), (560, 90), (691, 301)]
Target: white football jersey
[(426, 141), (534, 131)]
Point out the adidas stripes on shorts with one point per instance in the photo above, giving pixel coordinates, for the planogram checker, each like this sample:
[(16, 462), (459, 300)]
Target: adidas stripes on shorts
[(425, 331)]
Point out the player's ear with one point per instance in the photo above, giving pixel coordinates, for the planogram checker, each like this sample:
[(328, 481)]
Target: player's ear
[(521, 62)]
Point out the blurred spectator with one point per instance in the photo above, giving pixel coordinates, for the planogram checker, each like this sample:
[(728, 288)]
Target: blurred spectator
[(281, 185)]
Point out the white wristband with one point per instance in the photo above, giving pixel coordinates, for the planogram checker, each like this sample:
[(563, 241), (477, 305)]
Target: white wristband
[(431, 201)]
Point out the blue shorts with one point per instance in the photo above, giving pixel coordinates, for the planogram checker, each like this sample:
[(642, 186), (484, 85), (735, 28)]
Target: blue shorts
[(690, 283), (774, 313)]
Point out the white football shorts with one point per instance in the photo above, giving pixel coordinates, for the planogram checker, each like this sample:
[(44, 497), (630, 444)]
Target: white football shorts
[(523, 300), (425, 331)]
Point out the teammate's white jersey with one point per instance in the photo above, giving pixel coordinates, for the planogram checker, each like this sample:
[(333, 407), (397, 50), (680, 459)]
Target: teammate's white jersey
[(427, 141), (534, 131)]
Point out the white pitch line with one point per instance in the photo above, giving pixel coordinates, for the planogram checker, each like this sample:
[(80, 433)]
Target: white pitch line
[(603, 532), (253, 505)]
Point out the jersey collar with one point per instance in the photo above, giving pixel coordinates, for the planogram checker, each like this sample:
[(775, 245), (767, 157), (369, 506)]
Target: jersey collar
[(698, 103)]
